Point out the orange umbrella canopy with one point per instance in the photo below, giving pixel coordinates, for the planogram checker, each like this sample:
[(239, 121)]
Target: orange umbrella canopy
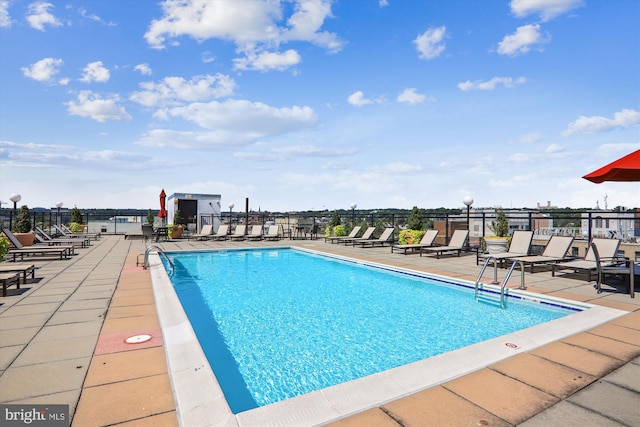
[(163, 211), (625, 169)]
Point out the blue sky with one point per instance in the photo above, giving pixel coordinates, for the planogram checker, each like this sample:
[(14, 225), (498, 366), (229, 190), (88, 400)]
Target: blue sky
[(312, 104)]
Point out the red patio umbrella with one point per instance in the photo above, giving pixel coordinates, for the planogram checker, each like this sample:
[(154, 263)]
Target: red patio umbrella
[(163, 212), (625, 169)]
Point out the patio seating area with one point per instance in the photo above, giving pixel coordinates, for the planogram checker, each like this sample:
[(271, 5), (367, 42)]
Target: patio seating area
[(64, 341)]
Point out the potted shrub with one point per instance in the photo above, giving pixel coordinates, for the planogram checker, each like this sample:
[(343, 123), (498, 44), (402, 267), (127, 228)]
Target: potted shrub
[(22, 227), (175, 229), (77, 222), (414, 231), (500, 227), (151, 218), (4, 247)]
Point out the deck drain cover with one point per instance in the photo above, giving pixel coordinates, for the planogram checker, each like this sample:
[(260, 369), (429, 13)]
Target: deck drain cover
[(137, 339)]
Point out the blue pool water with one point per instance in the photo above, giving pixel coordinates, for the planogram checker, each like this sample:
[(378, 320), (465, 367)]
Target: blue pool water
[(277, 323)]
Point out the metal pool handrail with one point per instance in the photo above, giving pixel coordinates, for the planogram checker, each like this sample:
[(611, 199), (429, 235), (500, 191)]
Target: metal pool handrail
[(160, 252)]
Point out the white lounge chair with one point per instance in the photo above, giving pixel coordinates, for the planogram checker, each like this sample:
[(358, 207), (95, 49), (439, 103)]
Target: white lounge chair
[(555, 251), (426, 242), (256, 233), (365, 236), (273, 233), (205, 232), (337, 239), (20, 250), (384, 239), (456, 244), (240, 233), (222, 233), (519, 246), (607, 251)]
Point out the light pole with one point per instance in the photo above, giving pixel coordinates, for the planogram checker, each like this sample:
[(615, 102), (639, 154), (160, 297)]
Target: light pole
[(353, 214), (231, 205), (15, 198), (58, 205), (468, 201)]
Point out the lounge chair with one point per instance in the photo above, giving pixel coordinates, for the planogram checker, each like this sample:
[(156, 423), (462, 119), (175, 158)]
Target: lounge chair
[(240, 233), (607, 250), (365, 236), (21, 251), (24, 268), (66, 232), (519, 246), (555, 251), (336, 239), (9, 279), (221, 234), (205, 232), (273, 233), (456, 244), (256, 233), (426, 242), (384, 239), (47, 239)]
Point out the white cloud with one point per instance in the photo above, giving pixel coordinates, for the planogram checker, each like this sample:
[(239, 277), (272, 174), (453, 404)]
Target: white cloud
[(383, 3), (143, 69), (555, 148), (256, 118), (95, 72), (529, 138), (507, 82), (521, 42), (596, 124), (44, 70), (5, 19), (39, 16), (254, 27), (266, 61), (357, 99), (410, 96), (547, 9), (430, 44), (175, 90), (91, 105)]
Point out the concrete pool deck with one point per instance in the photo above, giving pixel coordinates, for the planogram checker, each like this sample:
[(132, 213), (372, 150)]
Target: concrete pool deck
[(62, 341)]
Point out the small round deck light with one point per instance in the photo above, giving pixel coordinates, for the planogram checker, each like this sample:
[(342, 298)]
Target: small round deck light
[(138, 339)]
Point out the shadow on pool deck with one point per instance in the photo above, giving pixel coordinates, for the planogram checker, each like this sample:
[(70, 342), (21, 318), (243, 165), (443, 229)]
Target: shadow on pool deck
[(62, 341)]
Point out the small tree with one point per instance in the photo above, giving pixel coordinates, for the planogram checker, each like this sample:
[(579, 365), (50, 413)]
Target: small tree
[(76, 216), (415, 219), (150, 217), (23, 221), (4, 247), (335, 219), (500, 225), (177, 218)]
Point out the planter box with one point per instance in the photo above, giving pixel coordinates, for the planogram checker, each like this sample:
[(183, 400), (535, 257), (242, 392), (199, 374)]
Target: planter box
[(26, 239), (496, 245)]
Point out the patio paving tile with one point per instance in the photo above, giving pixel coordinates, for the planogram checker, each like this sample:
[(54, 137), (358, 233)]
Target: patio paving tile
[(616, 402), (131, 311), (46, 378), (578, 358), (114, 342), (438, 406), (125, 365), (18, 336), (555, 379), (123, 401), (608, 346), (52, 351), (567, 414), (618, 333), (167, 419), (68, 330), (373, 418), (115, 324), (506, 398)]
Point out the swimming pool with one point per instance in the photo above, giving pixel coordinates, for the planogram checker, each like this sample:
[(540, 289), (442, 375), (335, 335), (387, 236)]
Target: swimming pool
[(278, 323), (367, 391)]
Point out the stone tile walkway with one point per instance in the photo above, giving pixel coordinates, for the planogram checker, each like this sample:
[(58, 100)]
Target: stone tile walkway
[(62, 341)]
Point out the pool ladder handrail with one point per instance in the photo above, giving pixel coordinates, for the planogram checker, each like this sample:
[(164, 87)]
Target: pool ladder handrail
[(495, 277), (160, 251)]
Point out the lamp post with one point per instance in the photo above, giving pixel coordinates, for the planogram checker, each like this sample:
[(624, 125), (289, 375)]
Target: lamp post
[(58, 205), (231, 205), (468, 201), (15, 198), (353, 214)]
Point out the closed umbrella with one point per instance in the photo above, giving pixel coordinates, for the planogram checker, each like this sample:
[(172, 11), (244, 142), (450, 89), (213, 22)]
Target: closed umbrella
[(625, 169), (163, 212)]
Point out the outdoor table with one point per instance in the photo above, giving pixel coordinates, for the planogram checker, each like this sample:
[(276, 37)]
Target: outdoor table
[(627, 268), (161, 233)]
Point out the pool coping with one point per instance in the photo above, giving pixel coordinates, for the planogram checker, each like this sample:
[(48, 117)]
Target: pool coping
[(190, 372)]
